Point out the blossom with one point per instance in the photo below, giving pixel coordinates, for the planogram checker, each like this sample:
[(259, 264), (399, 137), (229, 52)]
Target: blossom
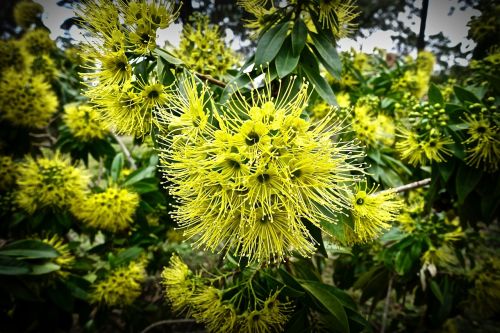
[(121, 287), (51, 182), (26, 12), (248, 180), (84, 122), (111, 210)]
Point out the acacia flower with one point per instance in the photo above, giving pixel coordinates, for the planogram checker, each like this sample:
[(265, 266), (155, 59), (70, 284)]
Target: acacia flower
[(121, 287), (111, 210), (49, 182), (249, 179)]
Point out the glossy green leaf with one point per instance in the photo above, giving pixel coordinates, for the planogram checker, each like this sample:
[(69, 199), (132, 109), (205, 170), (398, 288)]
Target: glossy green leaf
[(328, 299), (117, 166), (437, 291), (286, 61), (12, 266), (29, 249), (270, 43), (299, 36), (139, 174), (45, 268), (327, 54), (168, 57), (434, 95), (465, 95), (310, 67), (145, 185)]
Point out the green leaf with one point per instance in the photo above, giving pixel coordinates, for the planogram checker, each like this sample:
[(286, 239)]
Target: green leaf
[(299, 36), (29, 249), (126, 256), (139, 174), (145, 185), (168, 57), (12, 266), (286, 61), (270, 43), (45, 268), (437, 291), (464, 95), (328, 54), (164, 72), (434, 95), (311, 69), (117, 166), (315, 232), (328, 299), (467, 179)]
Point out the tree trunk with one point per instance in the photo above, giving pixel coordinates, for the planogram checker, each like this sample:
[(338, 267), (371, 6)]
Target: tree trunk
[(423, 20)]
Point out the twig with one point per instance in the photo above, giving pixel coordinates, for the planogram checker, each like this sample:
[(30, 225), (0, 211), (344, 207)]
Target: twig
[(125, 151), (211, 79), (386, 305), (411, 186), (167, 322)]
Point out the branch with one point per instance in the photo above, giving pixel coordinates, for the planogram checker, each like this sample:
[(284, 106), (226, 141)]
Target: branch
[(211, 79), (125, 150), (167, 322), (411, 186)]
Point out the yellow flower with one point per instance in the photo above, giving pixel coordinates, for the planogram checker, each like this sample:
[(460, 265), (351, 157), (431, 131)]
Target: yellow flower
[(425, 62), (111, 210), (8, 173), (121, 287), (65, 259), (203, 50), (42, 64), (27, 12), (343, 99), (372, 211), (49, 182), (249, 179), (11, 55), (84, 122), (483, 144), (420, 149), (26, 100), (179, 288), (37, 42), (435, 148), (338, 15)]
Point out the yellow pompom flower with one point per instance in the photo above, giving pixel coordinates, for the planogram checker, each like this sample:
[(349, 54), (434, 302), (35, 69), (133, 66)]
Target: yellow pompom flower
[(11, 55), (203, 50), (37, 42), (178, 284), (26, 100), (27, 12), (8, 173), (84, 122), (372, 211), (42, 64), (121, 287), (249, 181), (111, 210), (49, 182), (418, 149)]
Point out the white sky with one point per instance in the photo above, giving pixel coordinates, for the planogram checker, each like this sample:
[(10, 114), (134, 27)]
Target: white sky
[(454, 27)]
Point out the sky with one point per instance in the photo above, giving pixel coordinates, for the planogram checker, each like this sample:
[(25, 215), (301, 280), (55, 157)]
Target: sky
[(454, 27)]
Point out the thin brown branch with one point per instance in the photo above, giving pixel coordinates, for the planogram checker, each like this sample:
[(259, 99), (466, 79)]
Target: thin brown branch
[(125, 150), (211, 79), (167, 322), (411, 186)]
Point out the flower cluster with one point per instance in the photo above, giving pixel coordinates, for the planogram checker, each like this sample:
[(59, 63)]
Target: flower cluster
[(83, 122), (26, 12), (219, 312), (250, 179), (111, 210), (416, 79), (8, 173), (49, 182), (121, 287), (123, 32), (203, 50)]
